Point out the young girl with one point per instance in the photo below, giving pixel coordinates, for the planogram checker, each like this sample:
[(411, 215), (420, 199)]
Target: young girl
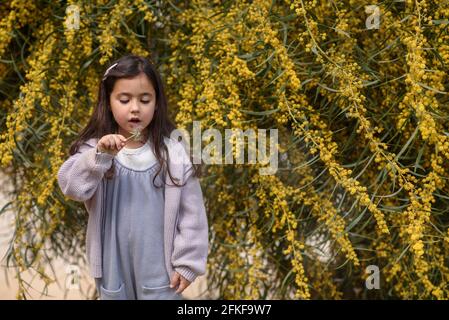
[(147, 232)]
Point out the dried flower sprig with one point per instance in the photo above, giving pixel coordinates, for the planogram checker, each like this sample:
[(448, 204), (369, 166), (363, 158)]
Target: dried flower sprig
[(136, 134)]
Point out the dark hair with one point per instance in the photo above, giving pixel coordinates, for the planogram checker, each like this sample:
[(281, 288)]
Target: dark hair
[(102, 121)]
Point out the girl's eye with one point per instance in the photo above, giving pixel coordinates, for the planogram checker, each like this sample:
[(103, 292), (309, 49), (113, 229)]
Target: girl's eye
[(124, 102)]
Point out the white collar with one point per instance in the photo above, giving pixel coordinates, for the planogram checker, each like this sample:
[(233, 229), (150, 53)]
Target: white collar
[(139, 150)]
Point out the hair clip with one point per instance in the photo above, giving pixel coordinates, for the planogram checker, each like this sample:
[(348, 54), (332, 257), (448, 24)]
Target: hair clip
[(109, 69)]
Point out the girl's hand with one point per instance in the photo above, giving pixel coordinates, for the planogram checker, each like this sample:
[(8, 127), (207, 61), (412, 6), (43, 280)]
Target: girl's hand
[(111, 143), (178, 279)]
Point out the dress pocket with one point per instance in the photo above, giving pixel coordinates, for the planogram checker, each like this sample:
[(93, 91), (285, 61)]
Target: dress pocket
[(107, 294), (160, 293)]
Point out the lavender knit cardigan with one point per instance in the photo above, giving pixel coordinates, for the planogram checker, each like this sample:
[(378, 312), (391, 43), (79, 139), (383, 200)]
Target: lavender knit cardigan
[(185, 222)]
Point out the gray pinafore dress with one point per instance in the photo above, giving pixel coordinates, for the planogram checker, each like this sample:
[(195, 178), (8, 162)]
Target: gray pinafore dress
[(133, 237)]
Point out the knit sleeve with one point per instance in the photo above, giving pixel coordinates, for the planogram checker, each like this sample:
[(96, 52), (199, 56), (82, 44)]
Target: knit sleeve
[(191, 234), (80, 175)]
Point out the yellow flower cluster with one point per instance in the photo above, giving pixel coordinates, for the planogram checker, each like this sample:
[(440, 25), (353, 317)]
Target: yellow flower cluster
[(110, 24), (144, 8), (19, 13), (30, 92), (421, 93), (284, 221)]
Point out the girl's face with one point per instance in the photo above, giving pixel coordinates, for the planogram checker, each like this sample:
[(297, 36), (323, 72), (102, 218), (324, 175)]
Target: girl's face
[(133, 102)]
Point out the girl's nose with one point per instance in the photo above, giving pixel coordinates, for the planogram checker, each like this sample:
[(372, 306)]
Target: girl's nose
[(134, 106)]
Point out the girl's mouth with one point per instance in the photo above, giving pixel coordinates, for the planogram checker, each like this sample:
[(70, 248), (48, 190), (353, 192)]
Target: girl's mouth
[(135, 121)]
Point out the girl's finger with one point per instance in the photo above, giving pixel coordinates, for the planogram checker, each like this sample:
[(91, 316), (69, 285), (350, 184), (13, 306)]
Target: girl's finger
[(182, 286), (104, 144), (122, 138), (117, 142), (111, 142), (174, 280)]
